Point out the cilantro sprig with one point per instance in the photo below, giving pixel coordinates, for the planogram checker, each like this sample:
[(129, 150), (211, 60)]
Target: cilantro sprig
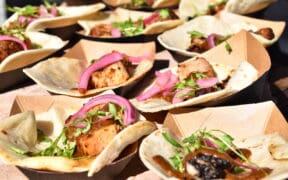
[(223, 143), (130, 28), (196, 34)]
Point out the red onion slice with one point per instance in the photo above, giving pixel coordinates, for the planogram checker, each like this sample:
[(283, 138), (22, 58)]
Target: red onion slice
[(206, 82), (210, 40), (28, 20), (12, 38), (43, 12), (177, 99), (165, 81), (54, 11), (150, 19), (115, 32), (129, 113)]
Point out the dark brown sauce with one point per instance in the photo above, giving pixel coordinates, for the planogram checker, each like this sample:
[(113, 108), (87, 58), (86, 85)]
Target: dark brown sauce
[(249, 174)]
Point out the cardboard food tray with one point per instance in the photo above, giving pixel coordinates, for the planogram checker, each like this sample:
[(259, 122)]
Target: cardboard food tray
[(40, 104), (241, 121)]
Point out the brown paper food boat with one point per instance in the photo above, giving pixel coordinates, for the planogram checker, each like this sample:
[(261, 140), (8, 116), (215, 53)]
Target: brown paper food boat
[(224, 24), (156, 3), (121, 15), (61, 75), (247, 62), (47, 43), (71, 14), (48, 113), (259, 127), (192, 8)]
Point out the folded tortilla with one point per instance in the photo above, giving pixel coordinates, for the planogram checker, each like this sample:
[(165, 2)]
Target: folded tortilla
[(260, 146), (71, 14), (61, 74), (226, 24), (20, 131), (48, 44), (191, 8), (121, 15), (241, 77), (156, 4)]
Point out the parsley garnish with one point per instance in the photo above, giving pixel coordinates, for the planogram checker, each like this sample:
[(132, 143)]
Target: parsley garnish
[(164, 13), (196, 34), (129, 28), (228, 47)]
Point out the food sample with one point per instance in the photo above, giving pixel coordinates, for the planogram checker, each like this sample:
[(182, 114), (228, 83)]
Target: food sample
[(48, 15), (96, 67), (192, 8), (213, 154), (88, 139), (128, 23)]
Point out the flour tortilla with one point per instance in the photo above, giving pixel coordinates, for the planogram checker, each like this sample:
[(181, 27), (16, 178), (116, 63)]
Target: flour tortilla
[(71, 14), (241, 77), (226, 24), (191, 8), (21, 133), (61, 74), (48, 44), (155, 144), (121, 15), (156, 4)]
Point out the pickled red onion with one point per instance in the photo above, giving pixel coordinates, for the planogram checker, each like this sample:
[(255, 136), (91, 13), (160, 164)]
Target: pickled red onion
[(24, 19), (210, 40), (150, 19), (12, 38), (129, 113), (182, 92), (206, 82), (115, 32), (165, 81)]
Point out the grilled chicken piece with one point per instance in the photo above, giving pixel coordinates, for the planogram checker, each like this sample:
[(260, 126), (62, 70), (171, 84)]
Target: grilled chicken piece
[(98, 137), (198, 65), (7, 48), (111, 75), (198, 45), (266, 33), (101, 30)]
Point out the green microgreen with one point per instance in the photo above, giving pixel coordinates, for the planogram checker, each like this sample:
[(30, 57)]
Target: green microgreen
[(228, 47), (130, 28), (196, 34), (164, 13)]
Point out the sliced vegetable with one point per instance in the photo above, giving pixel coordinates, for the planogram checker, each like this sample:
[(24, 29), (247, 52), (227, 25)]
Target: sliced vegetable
[(182, 94), (151, 18), (210, 40), (129, 113), (164, 81), (11, 38), (207, 82)]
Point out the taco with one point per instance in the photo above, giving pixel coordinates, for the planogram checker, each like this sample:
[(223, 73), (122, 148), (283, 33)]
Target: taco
[(87, 140), (192, 82), (127, 23), (19, 49), (213, 154), (95, 72), (191, 8), (138, 4), (49, 15), (205, 32)]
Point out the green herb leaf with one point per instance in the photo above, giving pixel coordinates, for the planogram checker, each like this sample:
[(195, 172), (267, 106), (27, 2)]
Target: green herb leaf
[(164, 13), (28, 10), (196, 34), (200, 75), (18, 150), (177, 162), (171, 140), (129, 28), (228, 47)]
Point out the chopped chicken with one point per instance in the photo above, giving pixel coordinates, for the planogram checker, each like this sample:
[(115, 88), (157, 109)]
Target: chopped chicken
[(111, 75)]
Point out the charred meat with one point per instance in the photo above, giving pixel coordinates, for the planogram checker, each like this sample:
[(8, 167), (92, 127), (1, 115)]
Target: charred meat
[(266, 33)]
